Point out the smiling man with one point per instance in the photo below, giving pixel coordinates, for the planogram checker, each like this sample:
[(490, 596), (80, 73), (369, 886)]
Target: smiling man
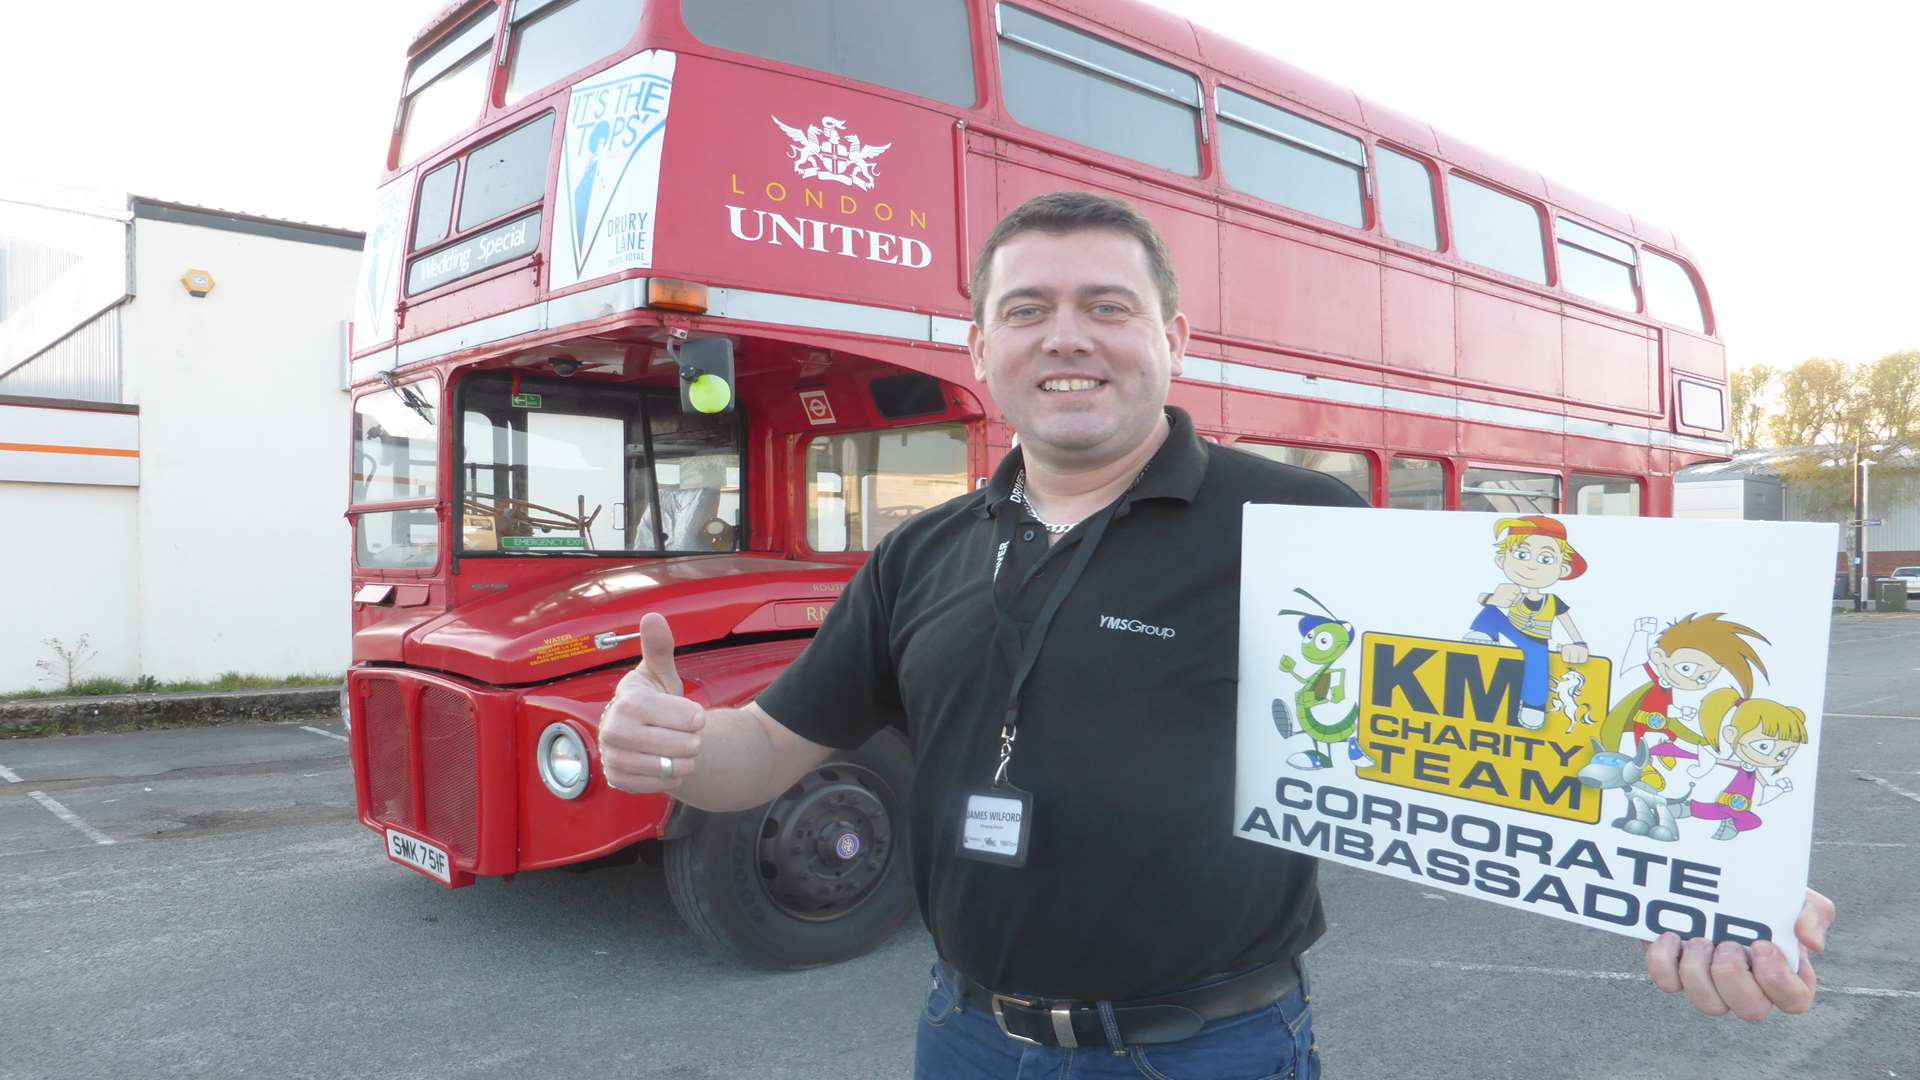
[(1059, 647)]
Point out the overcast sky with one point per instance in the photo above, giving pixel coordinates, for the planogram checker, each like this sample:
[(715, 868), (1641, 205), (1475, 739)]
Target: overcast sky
[(1779, 146)]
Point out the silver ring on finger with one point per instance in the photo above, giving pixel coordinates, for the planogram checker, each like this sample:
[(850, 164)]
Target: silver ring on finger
[(666, 767)]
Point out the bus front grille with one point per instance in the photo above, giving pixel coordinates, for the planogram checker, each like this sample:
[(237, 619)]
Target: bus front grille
[(424, 734)]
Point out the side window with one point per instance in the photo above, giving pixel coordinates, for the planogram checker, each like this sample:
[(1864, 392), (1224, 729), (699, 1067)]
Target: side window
[(1406, 198), (434, 217), (1595, 265), (1063, 82), (1415, 483), (396, 443), (861, 486), (1496, 231), (553, 40), (1702, 406), (1505, 492), (447, 86), (506, 174), (1617, 495), (1353, 470), (919, 46), (1291, 160), (1670, 294)]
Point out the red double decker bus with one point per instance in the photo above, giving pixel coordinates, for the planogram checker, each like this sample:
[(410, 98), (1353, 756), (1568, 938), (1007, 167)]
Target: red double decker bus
[(665, 309)]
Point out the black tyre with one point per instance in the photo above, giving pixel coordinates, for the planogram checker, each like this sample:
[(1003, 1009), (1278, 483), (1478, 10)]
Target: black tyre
[(817, 876)]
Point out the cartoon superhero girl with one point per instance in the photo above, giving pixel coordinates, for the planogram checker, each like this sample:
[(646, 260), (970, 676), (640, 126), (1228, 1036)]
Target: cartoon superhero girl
[(1763, 736)]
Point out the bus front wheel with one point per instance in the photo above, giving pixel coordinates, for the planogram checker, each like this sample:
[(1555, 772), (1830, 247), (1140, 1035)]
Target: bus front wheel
[(816, 876)]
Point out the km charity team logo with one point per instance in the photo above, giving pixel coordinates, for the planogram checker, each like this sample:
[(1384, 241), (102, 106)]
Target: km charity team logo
[(821, 152)]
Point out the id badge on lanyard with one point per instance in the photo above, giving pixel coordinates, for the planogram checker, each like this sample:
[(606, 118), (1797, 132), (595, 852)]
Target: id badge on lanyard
[(996, 823)]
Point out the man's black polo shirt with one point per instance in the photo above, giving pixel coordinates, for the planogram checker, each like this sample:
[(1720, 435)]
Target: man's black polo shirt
[(1135, 883)]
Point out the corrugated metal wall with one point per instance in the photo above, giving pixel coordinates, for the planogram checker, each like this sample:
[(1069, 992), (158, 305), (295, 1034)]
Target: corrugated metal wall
[(26, 269), (83, 366), (1893, 499)]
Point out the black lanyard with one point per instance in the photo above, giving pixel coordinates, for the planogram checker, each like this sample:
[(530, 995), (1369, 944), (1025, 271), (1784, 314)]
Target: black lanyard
[(1036, 637)]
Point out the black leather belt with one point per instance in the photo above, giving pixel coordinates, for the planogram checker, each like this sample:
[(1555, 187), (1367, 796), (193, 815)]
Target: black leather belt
[(1160, 1018)]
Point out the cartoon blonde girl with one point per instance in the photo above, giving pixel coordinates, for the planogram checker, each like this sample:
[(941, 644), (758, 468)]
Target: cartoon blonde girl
[(1763, 736)]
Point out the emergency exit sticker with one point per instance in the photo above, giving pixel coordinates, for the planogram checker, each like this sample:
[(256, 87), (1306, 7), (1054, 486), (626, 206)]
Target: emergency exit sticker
[(526, 401), (819, 409)]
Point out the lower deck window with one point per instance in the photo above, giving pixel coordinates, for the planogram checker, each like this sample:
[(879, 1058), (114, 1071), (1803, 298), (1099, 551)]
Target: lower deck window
[(863, 485), (1353, 470), (1415, 483), (1503, 492), (1605, 495)]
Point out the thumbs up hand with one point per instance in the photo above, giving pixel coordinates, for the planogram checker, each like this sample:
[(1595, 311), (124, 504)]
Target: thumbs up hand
[(650, 732)]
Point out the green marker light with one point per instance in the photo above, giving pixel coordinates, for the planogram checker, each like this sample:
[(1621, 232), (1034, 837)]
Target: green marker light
[(710, 394)]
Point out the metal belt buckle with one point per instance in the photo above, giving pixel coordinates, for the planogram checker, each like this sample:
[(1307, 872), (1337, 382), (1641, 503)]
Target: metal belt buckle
[(1000, 1017), (1062, 1016)]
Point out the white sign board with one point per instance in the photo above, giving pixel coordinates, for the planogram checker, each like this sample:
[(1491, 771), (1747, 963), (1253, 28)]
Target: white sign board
[(1609, 720), (610, 169)]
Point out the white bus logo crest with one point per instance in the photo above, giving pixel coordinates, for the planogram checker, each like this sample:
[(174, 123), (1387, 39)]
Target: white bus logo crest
[(822, 153)]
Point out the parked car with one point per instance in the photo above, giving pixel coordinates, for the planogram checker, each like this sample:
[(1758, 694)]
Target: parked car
[(1911, 574)]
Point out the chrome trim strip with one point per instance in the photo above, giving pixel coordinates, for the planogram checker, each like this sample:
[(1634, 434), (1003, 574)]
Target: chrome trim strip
[(493, 328), (597, 303), (748, 306), (1319, 388), (950, 331)]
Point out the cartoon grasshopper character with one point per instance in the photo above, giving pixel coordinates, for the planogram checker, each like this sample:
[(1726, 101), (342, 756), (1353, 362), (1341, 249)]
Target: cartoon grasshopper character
[(1324, 639)]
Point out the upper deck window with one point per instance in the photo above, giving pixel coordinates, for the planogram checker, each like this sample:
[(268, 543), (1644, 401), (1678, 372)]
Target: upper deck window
[(1670, 293), (1291, 160), (1595, 265), (552, 39), (447, 86), (433, 217), (918, 46), (1406, 198), (1074, 85), (1496, 230), (506, 174)]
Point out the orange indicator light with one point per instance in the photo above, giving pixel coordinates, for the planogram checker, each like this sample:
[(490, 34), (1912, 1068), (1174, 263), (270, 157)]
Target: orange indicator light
[(672, 294)]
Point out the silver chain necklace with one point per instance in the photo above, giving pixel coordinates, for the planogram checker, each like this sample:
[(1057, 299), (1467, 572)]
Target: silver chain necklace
[(1019, 495)]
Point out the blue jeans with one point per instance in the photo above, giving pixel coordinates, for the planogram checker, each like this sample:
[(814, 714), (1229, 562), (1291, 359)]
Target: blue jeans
[(1533, 687), (959, 1042)]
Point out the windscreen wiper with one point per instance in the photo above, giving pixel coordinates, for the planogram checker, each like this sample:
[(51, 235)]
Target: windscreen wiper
[(409, 396)]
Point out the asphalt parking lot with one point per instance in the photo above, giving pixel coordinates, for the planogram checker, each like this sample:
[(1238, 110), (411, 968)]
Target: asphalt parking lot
[(202, 903)]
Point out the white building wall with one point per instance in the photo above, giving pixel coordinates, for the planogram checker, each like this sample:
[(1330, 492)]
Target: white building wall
[(67, 555), (1710, 499), (243, 564)]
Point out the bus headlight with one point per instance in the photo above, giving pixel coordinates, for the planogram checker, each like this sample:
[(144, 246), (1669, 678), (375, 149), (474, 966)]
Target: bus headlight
[(346, 711), (563, 761)]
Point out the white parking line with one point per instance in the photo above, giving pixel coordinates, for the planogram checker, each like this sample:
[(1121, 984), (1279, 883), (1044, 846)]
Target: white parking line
[(1857, 843), (328, 734), (9, 775), (1904, 793), (1621, 976), (70, 817), (1869, 716)]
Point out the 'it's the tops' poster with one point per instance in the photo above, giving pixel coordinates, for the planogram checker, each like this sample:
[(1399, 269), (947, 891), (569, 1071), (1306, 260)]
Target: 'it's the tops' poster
[(1613, 721)]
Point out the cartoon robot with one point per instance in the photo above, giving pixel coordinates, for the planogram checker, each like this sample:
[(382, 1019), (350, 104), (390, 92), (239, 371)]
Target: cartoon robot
[(1324, 639), (1648, 813)]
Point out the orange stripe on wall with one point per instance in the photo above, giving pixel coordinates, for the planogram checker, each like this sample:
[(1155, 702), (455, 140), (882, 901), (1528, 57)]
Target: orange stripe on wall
[(99, 451)]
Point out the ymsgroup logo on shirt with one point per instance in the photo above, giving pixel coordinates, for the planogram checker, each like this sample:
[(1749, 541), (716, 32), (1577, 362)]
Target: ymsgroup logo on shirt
[(1134, 626)]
